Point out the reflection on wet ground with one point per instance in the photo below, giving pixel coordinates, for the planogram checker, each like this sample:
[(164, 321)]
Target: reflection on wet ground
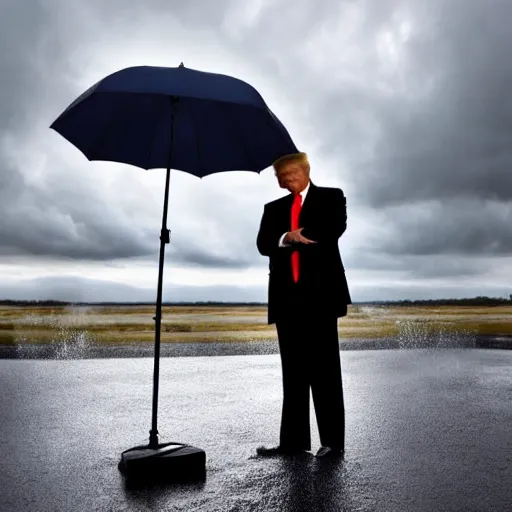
[(427, 430)]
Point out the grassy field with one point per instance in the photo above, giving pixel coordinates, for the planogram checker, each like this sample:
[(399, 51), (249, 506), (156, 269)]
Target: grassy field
[(121, 324)]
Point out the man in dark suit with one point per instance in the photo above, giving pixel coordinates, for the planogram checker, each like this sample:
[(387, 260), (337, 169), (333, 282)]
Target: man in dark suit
[(307, 294)]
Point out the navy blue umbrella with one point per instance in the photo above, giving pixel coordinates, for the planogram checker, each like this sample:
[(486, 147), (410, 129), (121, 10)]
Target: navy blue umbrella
[(216, 123), (197, 122)]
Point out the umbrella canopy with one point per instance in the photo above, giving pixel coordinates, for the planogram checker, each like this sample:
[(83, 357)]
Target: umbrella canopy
[(217, 122)]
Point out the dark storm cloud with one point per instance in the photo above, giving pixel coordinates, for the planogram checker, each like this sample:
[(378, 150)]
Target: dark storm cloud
[(445, 130), (194, 256), (56, 219), (416, 266), (440, 267), (466, 227), (196, 13)]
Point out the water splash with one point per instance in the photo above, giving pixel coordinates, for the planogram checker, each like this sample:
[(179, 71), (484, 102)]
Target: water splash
[(69, 336), (372, 311), (421, 333)]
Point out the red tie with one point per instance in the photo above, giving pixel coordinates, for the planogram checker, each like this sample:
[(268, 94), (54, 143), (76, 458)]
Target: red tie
[(297, 200)]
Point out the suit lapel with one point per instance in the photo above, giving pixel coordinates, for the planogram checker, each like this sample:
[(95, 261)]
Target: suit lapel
[(286, 206), (307, 205)]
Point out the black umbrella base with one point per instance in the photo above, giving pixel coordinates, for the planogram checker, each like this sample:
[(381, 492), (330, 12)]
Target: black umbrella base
[(167, 462)]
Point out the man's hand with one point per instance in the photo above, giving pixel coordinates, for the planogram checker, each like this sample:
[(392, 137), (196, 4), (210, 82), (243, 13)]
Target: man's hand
[(296, 237)]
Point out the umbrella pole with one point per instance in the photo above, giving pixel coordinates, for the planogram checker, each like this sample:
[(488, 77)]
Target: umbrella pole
[(164, 239), (163, 460)]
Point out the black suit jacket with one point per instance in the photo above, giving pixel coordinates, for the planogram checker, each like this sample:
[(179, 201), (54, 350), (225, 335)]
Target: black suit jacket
[(322, 284)]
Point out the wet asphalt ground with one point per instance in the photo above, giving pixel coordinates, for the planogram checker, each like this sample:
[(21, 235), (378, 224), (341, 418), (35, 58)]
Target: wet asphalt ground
[(427, 430)]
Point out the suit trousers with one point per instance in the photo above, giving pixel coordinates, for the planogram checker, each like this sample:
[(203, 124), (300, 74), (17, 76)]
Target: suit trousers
[(310, 360)]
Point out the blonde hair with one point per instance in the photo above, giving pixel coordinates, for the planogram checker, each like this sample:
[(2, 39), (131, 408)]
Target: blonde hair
[(300, 158)]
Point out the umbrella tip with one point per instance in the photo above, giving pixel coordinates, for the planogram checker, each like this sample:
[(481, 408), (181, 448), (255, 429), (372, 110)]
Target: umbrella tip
[(181, 65)]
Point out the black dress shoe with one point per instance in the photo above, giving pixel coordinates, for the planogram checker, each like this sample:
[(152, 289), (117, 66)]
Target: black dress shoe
[(278, 450), (329, 452)]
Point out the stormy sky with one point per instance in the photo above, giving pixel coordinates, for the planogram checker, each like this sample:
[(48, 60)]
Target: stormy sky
[(407, 106)]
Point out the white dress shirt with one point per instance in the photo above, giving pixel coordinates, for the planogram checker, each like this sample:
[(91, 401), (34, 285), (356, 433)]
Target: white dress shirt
[(303, 197)]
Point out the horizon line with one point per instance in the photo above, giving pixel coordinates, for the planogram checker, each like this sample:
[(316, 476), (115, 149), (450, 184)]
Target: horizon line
[(248, 303)]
